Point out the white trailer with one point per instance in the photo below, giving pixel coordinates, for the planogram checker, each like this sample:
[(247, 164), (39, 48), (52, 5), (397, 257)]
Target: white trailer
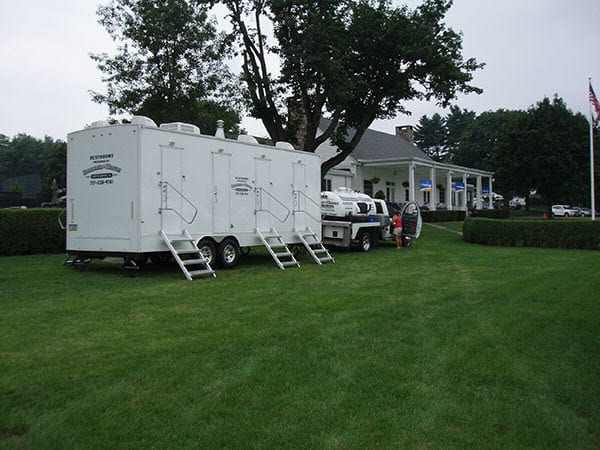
[(137, 191)]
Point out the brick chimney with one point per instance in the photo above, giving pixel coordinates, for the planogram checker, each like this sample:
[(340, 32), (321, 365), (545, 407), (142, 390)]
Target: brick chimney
[(405, 132)]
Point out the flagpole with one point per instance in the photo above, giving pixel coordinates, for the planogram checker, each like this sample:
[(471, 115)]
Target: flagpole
[(592, 187)]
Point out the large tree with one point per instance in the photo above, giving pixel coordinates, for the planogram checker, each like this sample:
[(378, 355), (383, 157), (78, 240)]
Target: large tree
[(352, 61), (430, 136), (169, 63)]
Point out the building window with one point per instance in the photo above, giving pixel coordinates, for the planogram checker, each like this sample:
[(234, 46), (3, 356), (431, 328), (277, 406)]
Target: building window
[(390, 191), (406, 195), (368, 187), (326, 185), (426, 197)]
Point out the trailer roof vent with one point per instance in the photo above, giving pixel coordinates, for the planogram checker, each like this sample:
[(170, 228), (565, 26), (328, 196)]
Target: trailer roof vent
[(143, 121), (181, 127), (247, 139), (284, 145), (99, 124)]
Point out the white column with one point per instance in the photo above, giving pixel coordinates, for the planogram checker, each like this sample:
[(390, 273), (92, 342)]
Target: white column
[(491, 199), (464, 194), (432, 196), (411, 181), (449, 190), (478, 193)]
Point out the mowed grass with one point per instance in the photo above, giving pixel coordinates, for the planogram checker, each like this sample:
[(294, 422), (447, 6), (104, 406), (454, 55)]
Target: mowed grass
[(441, 345)]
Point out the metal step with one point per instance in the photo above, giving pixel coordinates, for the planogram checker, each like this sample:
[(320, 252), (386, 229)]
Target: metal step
[(273, 234), (197, 259), (315, 248)]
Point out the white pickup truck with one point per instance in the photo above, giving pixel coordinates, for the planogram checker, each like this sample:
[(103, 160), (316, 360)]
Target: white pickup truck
[(352, 219)]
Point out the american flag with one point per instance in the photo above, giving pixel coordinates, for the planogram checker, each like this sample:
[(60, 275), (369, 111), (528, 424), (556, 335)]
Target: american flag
[(594, 101)]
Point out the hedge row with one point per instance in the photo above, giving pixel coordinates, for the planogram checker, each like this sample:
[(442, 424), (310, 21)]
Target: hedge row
[(442, 216), (554, 233), (31, 231), (490, 213)]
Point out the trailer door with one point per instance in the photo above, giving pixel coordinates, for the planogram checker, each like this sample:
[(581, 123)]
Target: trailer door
[(171, 190), (221, 176), (300, 203), (262, 174)]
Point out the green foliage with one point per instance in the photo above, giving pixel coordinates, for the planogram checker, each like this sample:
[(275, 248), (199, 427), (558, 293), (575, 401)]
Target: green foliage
[(354, 60), (380, 195), (170, 59), (442, 216), (575, 234), (27, 155), (497, 213), (31, 231), (430, 136)]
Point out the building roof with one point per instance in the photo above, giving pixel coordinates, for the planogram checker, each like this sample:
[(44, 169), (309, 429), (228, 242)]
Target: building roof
[(380, 146)]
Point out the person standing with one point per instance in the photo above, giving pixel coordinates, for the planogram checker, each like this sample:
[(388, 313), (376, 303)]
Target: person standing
[(397, 223)]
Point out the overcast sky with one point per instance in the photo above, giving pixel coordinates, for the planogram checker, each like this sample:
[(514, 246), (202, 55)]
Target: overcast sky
[(532, 49)]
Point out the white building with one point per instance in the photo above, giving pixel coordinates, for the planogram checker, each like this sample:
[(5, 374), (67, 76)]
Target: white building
[(395, 165)]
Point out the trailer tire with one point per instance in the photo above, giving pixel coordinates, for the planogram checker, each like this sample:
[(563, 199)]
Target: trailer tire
[(207, 248), (365, 241), (228, 253)]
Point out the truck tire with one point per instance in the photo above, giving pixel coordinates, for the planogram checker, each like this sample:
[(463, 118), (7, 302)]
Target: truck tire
[(208, 249), (228, 253), (365, 241)]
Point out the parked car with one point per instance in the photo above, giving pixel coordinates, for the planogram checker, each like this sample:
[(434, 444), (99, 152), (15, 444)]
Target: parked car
[(517, 203), (564, 211), (586, 212)]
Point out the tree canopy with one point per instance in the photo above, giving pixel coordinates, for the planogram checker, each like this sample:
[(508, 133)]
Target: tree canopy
[(543, 149), (352, 61), (169, 64), (431, 137)]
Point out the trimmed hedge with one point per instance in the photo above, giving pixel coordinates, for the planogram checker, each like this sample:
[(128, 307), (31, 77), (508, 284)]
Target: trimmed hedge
[(31, 231), (555, 233), (490, 213), (442, 216)]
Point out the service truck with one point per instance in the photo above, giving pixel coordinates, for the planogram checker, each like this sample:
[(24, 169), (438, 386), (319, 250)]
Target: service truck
[(354, 219)]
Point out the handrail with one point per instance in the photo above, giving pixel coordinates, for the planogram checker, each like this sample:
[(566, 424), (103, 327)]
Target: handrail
[(60, 224), (296, 194), (259, 197), (166, 184)]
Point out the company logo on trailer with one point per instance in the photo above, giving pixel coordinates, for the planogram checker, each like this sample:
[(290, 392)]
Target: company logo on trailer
[(102, 172), (241, 186)]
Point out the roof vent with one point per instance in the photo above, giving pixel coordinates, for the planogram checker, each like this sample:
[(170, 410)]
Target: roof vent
[(99, 124), (220, 133), (247, 139), (284, 145), (180, 127), (143, 121)]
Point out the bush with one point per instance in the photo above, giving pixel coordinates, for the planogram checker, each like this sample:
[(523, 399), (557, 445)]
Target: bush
[(533, 233), (442, 216), (31, 231), (490, 213)]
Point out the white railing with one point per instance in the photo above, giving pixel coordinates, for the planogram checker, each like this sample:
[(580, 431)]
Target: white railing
[(164, 186)]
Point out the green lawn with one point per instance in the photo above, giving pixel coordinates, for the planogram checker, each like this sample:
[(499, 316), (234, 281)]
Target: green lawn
[(441, 345)]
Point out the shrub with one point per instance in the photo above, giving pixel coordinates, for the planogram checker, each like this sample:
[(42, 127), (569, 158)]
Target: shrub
[(533, 233), (443, 216), (490, 213), (31, 231)]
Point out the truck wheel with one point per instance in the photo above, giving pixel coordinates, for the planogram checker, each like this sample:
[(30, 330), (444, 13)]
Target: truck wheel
[(228, 253), (364, 241), (207, 249)]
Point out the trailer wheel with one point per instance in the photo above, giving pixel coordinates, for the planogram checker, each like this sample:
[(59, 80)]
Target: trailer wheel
[(208, 250), (228, 253), (364, 241)]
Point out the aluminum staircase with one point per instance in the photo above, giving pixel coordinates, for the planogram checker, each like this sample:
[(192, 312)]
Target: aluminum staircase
[(314, 246), (188, 257), (277, 248)]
